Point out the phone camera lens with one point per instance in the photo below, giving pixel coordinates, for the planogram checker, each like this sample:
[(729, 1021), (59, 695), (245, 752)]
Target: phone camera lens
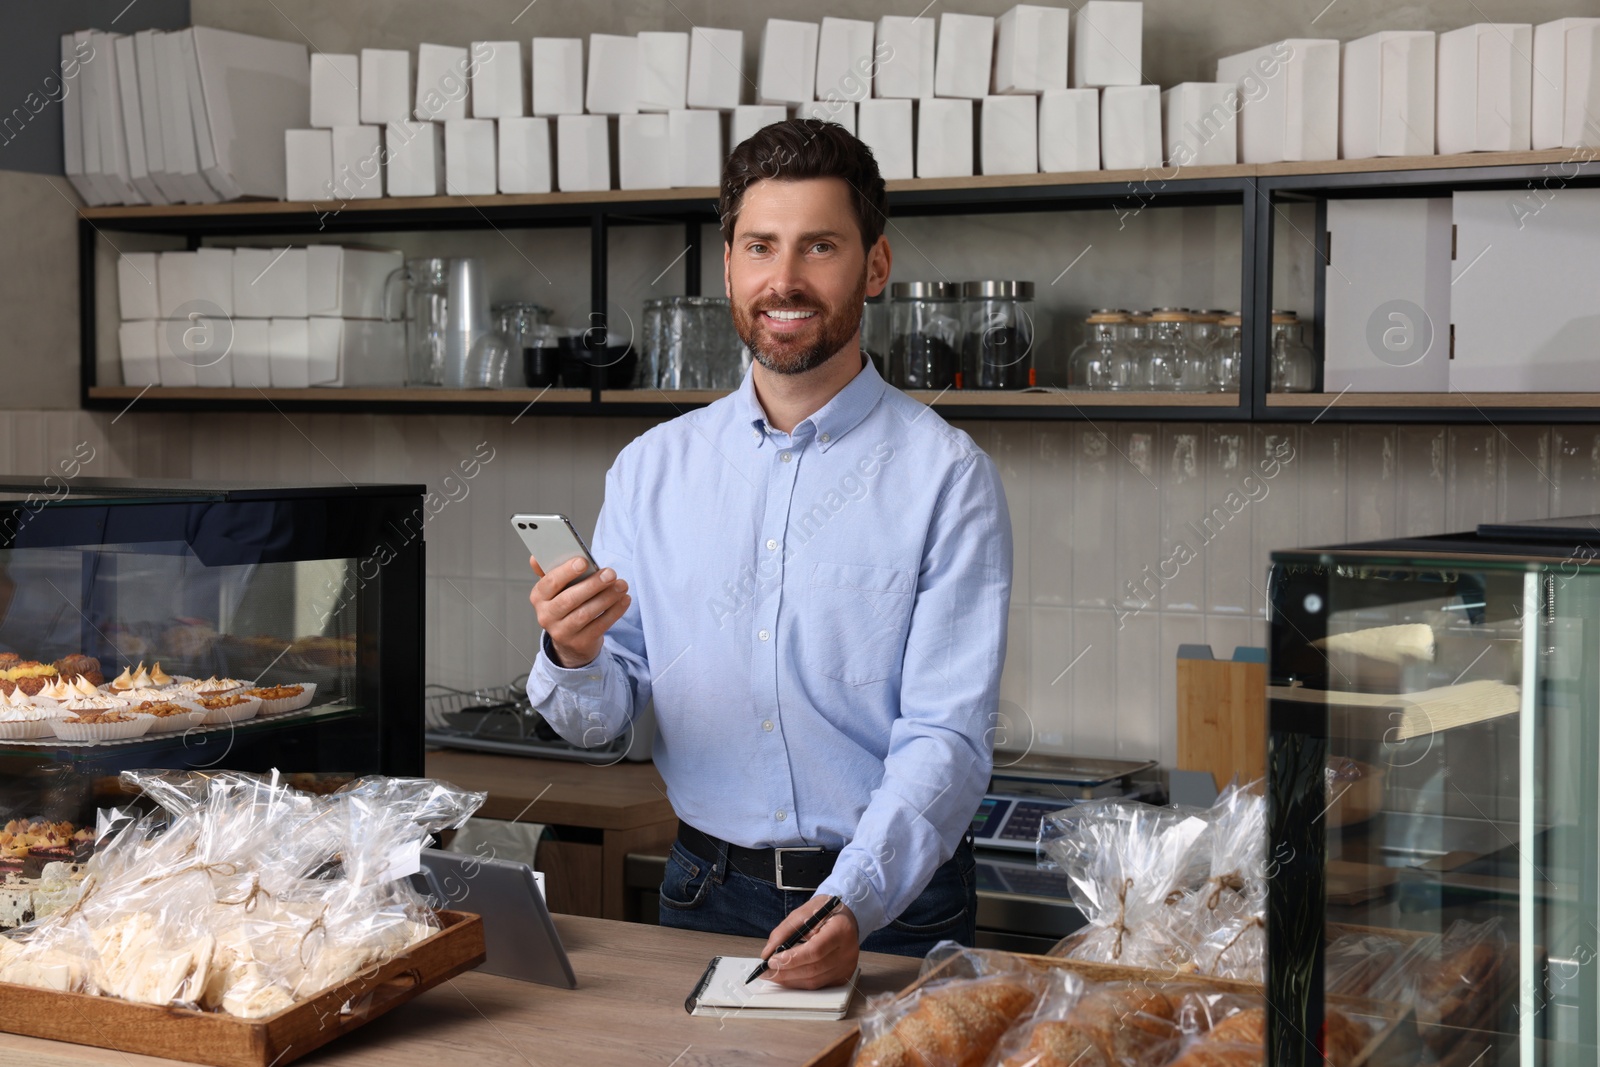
[(533, 526), (522, 526)]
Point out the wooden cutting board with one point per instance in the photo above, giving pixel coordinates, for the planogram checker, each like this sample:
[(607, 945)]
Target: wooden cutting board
[(1222, 719)]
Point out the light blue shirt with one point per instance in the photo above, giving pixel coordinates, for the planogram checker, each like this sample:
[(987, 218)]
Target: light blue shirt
[(820, 618)]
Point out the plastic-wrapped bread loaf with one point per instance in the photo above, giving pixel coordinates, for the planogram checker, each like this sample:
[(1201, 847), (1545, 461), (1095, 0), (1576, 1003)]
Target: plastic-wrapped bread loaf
[(1110, 1026), (951, 1026), (1401, 644)]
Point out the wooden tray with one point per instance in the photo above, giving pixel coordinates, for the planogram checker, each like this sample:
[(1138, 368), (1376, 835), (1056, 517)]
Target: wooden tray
[(223, 1040)]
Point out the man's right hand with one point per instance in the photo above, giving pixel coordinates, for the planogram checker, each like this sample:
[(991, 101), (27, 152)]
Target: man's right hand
[(577, 617)]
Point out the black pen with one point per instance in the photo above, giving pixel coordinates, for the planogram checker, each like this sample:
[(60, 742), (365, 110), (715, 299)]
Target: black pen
[(798, 936)]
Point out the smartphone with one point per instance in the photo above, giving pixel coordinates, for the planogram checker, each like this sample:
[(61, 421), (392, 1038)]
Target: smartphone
[(554, 542)]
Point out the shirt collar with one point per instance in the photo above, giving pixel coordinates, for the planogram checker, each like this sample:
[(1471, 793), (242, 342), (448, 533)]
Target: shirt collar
[(832, 421)]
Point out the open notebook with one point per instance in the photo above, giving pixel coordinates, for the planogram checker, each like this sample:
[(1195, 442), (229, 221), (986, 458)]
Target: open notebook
[(721, 991)]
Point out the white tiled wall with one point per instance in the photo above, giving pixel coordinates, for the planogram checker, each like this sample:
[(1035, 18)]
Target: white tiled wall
[(1128, 542)]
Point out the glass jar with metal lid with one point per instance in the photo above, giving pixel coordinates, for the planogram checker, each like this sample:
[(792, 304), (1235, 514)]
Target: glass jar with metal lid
[(998, 349), (925, 342)]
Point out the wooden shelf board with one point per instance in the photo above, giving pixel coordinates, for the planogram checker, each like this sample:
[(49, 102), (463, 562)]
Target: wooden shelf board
[(421, 396), (1434, 400), (395, 203), (1466, 159), (1076, 177), (1060, 399)]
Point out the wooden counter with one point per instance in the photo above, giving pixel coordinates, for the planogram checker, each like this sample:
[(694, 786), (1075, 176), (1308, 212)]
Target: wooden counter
[(627, 1009), (624, 807)]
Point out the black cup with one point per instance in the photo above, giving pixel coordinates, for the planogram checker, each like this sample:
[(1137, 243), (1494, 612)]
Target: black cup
[(540, 367), (616, 363)]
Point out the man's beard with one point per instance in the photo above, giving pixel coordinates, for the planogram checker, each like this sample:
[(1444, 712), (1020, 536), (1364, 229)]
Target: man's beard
[(789, 355)]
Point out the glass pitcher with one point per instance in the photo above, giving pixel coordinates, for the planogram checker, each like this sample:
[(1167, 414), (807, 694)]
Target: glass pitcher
[(425, 311)]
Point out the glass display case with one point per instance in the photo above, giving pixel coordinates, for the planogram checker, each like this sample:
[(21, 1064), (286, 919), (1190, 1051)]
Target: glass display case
[(1433, 758), (315, 588)]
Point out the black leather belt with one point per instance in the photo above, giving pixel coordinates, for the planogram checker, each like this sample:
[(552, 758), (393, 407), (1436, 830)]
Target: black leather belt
[(802, 869)]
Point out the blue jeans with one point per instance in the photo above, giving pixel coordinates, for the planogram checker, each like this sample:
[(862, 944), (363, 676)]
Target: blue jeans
[(701, 893)]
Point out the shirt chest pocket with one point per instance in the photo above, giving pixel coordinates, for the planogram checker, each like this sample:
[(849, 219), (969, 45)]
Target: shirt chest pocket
[(856, 620)]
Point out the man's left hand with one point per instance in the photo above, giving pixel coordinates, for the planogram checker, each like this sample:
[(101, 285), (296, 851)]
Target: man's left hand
[(827, 957)]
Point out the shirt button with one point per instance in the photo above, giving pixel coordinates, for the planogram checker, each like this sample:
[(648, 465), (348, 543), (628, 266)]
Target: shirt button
[(772, 544), (824, 438), (594, 677), (763, 635), (780, 816), (767, 726), (784, 457)]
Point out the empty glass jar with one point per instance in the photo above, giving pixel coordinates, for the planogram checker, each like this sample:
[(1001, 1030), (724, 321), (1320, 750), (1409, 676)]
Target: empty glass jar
[(1090, 365), (875, 332), (926, 334), (1294, 370), (997, 351), (1227, 355), (690, 343), (1173, 367)]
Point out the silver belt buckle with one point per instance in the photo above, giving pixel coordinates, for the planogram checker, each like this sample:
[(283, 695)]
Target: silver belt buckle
[(778, 866)]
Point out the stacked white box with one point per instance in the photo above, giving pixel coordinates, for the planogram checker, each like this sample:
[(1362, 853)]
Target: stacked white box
[(442, 83), (1566, 84), (357, 162), (199, 281), (178, 350), (1485, 88), (1009, 135), (557, 75), (786, 71), (308, 164), (289, 353), (414, 158), (1030, 52), (269, 282), (137, 344), (663, 80), (841, 111), (944, 138), (213, 353), (642, 155), (335, 90), (470, 164), (350, 352), (137, 297), (348, 282), (748, 118), (499, 90), (1069, 130), (964, 57), (1387, 102), (613, 75), (251, 355), (716, 68), (905, 58), (525, 155), (385, 88), (1387, 314), (885, 127), (844, 59), (694, 148), (1108, 44), (1289, 100), (1521, 326), (1200, 124), (583, 153), (1130, 126)]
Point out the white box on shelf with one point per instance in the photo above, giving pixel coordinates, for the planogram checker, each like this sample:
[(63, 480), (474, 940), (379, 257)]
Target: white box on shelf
[(613, 75), (1387, 315), (253, 89), (199, 281), (583, 153), (1130, 126), (1200, 124), (1009, 134), (557, 75), (885, 127), (944, 138), (344, 353), (845, 59), (251, 354), (1288, 100), (663, 71), (1030, 51), (1387, 101), (1566, 84), (525, 155), (335, 90), (841, 111), (786, 72), (308, 163), (499, 89), (269, 282), (694, 148), (136, 342), (348, 282), (1485, 88), (1522, 298), (642, 154), (470, 164), (414, 160), (748, 118), (137, 296), (357, 162), (905, 55), (442, 83), (385, 86), (175, 364), (213, 361), (1108, 44), (289, 353), (716, 68), (964, 57), (1069, 130)]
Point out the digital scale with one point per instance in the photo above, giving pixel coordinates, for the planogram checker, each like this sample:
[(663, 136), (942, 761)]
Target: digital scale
[(1026, 791)]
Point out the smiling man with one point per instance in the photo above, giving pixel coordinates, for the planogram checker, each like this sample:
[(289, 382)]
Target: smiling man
[(810, 579)]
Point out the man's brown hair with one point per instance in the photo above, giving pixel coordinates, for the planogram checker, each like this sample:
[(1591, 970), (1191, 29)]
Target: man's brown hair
[(798, 149)]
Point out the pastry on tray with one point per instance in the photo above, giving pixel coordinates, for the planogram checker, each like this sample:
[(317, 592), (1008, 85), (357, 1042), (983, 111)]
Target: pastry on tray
[(276, 699), (79, 665)]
